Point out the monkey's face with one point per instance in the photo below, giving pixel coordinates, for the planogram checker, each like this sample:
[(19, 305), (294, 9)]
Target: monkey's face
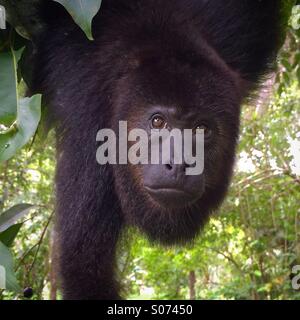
[(164, 201)]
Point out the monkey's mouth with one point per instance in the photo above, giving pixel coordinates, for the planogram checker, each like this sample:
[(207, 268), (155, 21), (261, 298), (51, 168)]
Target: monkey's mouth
[(172, 197)]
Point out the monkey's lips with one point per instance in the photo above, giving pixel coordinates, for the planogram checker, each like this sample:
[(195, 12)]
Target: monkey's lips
[(171, 197)]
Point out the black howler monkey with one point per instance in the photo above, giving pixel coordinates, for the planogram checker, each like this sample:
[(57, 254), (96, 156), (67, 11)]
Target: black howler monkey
[(153, 63)]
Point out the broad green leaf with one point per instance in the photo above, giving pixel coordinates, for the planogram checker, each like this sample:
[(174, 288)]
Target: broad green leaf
[(8, 236), (29, 114), (6, 261), (9, 217), (8, 86), (83, 12)]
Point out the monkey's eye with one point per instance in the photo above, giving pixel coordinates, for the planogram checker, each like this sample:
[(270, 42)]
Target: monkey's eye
[(158, 122), (207, 131)]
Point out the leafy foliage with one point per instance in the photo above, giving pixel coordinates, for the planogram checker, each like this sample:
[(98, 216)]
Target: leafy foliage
[(83, 12)]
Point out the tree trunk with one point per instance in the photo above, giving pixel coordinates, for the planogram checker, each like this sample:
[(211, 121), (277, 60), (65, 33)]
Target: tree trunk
[(192, 283)]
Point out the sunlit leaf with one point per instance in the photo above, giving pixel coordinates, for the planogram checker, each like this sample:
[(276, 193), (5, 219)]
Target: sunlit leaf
[(8, 236), (9, 217), (83, 12), (6, 261), (8, 88), (29, 114)]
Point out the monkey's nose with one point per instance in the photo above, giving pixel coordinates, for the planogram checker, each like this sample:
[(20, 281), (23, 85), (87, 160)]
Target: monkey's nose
[(176, 171)]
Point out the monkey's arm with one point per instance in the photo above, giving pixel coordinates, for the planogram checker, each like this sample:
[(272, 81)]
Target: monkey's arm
[(88, 223)]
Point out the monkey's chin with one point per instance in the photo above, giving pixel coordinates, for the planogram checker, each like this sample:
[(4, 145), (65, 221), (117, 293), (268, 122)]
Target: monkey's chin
[(173, 236), (172, 227), (167, 226)]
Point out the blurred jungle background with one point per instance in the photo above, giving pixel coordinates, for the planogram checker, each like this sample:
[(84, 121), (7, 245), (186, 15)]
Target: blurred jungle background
[(250, 248)]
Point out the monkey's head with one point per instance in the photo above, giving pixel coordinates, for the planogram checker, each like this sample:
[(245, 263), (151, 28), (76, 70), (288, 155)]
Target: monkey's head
[(177, 92)]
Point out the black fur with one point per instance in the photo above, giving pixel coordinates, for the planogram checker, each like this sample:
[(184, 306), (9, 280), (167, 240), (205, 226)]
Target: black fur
[(203, 55)]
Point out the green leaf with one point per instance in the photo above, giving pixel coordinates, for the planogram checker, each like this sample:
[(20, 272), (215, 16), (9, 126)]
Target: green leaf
[(8, 236), (6, 262), (257, 273), (83, 12), (9, 217), (287, 65), (8, 89), (29, 114)]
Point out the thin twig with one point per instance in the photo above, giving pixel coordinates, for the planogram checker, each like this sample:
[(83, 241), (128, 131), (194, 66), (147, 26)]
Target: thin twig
[(40, 242)]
